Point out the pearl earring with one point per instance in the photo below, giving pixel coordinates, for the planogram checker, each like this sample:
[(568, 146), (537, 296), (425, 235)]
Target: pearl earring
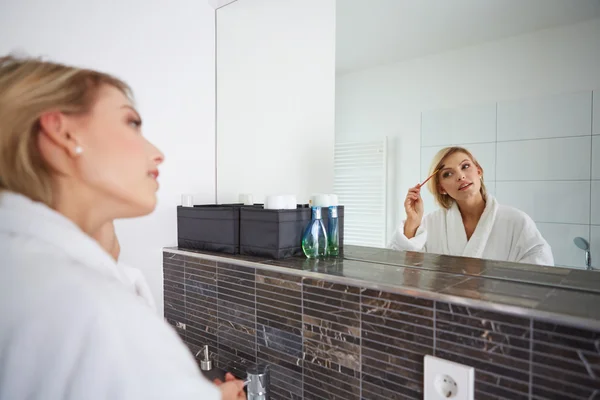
[(78, 150)]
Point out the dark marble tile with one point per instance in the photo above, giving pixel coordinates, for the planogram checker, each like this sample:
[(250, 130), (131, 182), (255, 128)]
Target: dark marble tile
[(174, 299), (318, 298), (285, 383), (536, 277), (487, 372), (383, 350), (334, 289), (279, 340), (236, 313), (174, 287), (571, 356), (200, 261), (324, 331), (283, 360), (350, 319), (375, 392), (290, 325), (289, 281), (173, 258), (200, 338), (391, 364), (235, 270), (397, 344), (172, 275), (201, 268), (318, 325), (195, 288), (327, 349), (573, 303), (235, 361), (582, 280), (277, 302), (392, 383), (475, 316), (501, 292), (279, 293), (485, 391), (330, 381), (379, 299)]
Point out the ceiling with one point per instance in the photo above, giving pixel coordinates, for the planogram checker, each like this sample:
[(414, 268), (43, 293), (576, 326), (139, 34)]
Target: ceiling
[(375, 32)]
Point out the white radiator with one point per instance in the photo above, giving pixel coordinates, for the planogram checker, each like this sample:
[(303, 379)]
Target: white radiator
[(361, 184)]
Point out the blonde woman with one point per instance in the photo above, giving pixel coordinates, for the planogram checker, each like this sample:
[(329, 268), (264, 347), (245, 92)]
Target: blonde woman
[(74, 324), (470, 222)]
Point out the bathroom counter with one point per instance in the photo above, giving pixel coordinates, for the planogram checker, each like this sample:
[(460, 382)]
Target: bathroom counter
[(550, 293), (360, 325)]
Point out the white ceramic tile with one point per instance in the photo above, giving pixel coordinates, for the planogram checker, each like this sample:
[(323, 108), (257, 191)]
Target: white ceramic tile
[(595, 157), (596, 202), (558, 202), (596, 127), (595, 247), (544, 159), (545, 117), (484, 153), (473, 124), (560, 238)]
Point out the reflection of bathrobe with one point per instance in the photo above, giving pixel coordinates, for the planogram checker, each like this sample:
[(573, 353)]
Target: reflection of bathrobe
[(503, 233)]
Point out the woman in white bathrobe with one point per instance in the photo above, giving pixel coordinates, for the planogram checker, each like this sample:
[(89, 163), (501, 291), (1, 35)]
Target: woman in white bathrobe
[(470, 222), (76, 324)]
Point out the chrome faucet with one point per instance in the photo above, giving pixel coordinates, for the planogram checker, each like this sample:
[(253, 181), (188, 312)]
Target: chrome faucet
[(257, 382)]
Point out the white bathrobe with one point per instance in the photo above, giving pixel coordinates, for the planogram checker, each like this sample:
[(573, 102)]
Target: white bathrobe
[(503, 233), (75, 325)]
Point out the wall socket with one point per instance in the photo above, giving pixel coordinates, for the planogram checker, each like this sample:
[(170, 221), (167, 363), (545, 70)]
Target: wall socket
[(448, 380)]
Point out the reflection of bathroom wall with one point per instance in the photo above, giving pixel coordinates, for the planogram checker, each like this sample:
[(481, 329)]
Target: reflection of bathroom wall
[(388, 100), (536, 156), (275, 98)]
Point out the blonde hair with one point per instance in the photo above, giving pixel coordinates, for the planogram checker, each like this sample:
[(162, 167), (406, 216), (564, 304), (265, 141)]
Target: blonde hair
[(444, 200), (28, 88)]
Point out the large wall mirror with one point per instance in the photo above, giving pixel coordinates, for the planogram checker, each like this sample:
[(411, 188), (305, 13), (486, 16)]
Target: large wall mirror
[(515, 82), (356, 97)]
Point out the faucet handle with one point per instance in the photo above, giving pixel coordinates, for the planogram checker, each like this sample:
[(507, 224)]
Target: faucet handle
[(205, 362), (257, 382)]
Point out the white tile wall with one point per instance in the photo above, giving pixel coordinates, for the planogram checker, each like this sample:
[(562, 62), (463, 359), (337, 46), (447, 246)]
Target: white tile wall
[(484, 153), (537, 158), (595, 157), (544, 159), (549, 201), (560, 238), (596, 118), (595, 246), (474, 124), (537, 118), (595, 202)]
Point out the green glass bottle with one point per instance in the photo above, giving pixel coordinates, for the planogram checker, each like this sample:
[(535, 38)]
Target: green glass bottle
[(314, 240)]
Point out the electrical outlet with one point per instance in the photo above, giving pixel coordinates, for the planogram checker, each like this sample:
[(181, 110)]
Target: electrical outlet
[(448, 380)]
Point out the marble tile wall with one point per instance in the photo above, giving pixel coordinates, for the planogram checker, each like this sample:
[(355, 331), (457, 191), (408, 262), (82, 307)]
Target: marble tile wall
[(329, 341)]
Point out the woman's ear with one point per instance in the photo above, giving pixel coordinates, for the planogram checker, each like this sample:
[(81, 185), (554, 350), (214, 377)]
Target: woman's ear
[(53, 129)]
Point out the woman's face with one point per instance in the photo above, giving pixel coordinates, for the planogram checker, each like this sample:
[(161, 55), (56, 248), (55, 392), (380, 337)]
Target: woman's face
[(460, 178), (117, 162)]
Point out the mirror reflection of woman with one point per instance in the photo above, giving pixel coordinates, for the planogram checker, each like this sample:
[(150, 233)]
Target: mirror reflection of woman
[(470, 222)]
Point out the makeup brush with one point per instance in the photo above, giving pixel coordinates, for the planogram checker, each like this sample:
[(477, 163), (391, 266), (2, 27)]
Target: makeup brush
[(431, 176)]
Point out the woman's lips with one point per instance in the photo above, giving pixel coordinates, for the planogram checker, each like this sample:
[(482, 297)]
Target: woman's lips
[(465, 187)]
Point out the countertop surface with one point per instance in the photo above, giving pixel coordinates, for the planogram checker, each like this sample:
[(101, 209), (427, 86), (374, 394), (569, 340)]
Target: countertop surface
[(551, 293)]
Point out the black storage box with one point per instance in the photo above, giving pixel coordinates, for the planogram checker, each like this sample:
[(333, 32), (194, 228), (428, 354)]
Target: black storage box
[(278, 234), (273, 233), (248, 230), (209, 227)]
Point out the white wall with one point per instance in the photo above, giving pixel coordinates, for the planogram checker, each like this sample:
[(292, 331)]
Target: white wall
[(166, 53), (388, 100), (275, 98)]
